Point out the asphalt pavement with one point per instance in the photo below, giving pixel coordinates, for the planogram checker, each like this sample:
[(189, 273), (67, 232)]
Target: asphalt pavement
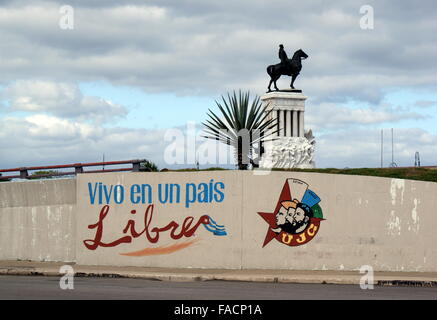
[(48, 287), (423, 279)]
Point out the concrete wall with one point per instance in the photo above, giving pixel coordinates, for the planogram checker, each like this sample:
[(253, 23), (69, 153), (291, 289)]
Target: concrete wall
[(208, 252), (37, 220), (386, 223)]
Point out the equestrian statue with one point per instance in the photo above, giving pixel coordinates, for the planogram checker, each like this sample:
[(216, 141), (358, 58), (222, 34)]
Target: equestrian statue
[(287, 67)]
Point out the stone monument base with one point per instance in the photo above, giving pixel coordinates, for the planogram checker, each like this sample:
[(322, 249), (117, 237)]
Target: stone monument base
[(286, 90), (292, 146), (290, 152)]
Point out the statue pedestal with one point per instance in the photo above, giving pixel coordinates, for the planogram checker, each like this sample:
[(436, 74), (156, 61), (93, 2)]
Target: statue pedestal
[(292, 147)]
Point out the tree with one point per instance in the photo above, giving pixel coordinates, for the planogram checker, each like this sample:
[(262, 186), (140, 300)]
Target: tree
[(149, 166), (244, 125), (44, 174)]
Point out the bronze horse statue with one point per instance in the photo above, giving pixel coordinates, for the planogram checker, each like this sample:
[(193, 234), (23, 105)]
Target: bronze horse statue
[(290, 67)]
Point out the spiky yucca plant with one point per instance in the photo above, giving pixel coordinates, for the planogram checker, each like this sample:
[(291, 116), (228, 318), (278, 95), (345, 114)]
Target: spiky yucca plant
[(239, 115)]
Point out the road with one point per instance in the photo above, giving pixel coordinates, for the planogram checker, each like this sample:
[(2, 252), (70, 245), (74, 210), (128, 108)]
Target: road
[(38, 287)]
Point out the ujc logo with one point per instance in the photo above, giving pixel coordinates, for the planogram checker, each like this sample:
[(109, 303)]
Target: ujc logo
[(297, 215)]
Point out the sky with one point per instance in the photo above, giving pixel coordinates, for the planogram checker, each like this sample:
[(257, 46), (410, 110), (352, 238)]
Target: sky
[(114, 78)]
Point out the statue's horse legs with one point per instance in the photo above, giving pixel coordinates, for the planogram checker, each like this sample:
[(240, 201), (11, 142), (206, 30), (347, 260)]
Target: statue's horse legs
[(273, 80), (293, 77), (274, 76), (270, 83), (275, 72)]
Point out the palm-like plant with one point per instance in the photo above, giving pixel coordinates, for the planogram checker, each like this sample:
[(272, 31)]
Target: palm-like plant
[(242, 125)]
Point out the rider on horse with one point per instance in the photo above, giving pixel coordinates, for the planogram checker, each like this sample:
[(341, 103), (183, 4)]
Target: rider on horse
[(283, 55), (285, 62)]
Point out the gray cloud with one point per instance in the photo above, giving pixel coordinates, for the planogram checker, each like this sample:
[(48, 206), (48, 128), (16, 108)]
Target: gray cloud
[(198, 47), (332, 116), (44, 140), (362, 148), (425, 103), (49, 140), (60, 99)]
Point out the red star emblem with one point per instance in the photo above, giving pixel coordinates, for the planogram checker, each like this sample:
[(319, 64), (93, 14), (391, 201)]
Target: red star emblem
[(270, 217)]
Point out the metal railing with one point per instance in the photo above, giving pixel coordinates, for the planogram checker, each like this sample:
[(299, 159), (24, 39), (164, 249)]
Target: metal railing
[(23, 172)]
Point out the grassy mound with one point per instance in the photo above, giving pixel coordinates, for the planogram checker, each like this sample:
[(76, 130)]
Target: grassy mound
[(422, 174)]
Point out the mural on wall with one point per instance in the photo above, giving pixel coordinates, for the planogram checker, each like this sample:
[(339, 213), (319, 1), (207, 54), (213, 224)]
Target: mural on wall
[(297, 215), (141, 224)]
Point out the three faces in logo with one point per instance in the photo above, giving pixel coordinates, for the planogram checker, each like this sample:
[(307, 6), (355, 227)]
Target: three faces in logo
[(293, 217)]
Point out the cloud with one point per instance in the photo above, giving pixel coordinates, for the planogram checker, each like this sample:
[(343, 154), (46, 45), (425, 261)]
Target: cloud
[(60, 99), (48, 140), (197, 47), (44, 140), (333, 116), (362, 148), (425, 103)]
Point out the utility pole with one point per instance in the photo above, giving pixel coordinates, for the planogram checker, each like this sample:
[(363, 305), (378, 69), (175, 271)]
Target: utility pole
[(417, 159), (382, 148), (392, 152), (393, 163)]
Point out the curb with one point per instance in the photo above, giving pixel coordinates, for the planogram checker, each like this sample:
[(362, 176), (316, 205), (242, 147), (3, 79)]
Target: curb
[(192, 277), (179, 277)]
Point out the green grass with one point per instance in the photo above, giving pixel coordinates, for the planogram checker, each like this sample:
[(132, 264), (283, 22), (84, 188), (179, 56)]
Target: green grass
[(194, 169), (422, 174)]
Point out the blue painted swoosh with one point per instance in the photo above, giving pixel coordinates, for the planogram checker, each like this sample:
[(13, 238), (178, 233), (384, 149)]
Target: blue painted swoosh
[(215, 223)]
